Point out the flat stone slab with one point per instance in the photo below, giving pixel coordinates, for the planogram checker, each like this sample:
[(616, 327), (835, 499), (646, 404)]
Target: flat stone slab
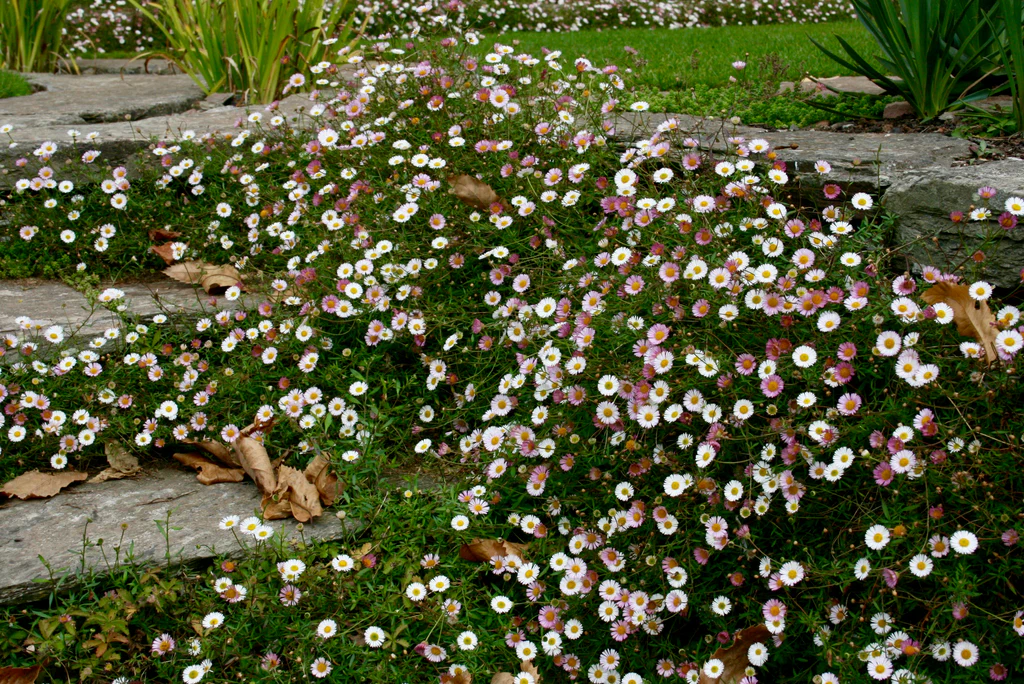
[(865, 161), (118, 142), (834, 85), (82, 100), (158, 67), (53, 528), (54, 303)]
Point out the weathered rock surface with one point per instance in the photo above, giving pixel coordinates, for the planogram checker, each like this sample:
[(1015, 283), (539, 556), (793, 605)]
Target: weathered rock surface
[(76, 101), (862, 161), (176, 105), (829, 87), (89, 67), (53, 303), (923, 199), (55, 528)]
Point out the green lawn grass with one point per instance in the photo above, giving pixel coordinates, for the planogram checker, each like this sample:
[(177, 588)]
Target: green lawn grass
[(682, 58), (13, 84)]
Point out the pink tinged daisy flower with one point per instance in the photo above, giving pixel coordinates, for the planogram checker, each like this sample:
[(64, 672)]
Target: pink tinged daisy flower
[(772, 386), (883, 474), (849, 404), (163, 645), (290, 595)]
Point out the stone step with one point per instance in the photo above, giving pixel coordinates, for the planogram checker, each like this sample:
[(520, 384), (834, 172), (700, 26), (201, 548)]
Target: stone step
[(157, 67), (861, 161), (829, 87), (120, 141), (55, 303), (923, 198), (78, 101), (54, 528)]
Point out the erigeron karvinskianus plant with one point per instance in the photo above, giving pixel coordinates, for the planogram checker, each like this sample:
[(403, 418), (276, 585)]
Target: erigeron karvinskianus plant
[(706, 409)]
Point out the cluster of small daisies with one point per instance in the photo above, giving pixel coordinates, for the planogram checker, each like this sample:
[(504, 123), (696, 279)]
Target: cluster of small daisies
[(657, 371)]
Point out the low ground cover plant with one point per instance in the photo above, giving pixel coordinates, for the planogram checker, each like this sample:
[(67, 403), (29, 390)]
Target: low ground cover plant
[(703, 432), (400, 19), (109, 27), (13, 84)]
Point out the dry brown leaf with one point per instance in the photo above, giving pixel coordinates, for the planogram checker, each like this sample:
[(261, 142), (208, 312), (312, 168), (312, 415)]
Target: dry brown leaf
[(108, 474), (159, 234), (462, 677), (473, 191), (122, 464), (293, 489), (972, 318), (526, 666), (19, 675), (256, 463), (319, 473), (305, 498), (483, 550), (208, 276), (278, 509), (734, 658), (220, 280), (209, 472), (119, 458), (37, 485), (218, 451), (164, 251)]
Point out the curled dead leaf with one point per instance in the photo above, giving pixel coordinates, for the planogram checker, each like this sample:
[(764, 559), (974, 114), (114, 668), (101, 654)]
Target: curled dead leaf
[(19, 675), (473, 192), (526, 666), (299, 494), (734, 658), (973, 318), (211, 278), (254, 460), (318, 472), (37, 485), (121, 464), (463, 677), (218, 451), (210, 472), (160, 234), (483, 550), (164, 251)]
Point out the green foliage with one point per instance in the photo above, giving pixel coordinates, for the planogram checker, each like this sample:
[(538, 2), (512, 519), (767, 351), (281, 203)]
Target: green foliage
[(30, 33), (13, 85), (1010, 45), (248, 46), (665, 362), (678, 59), (934, 52), (762, 106)]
